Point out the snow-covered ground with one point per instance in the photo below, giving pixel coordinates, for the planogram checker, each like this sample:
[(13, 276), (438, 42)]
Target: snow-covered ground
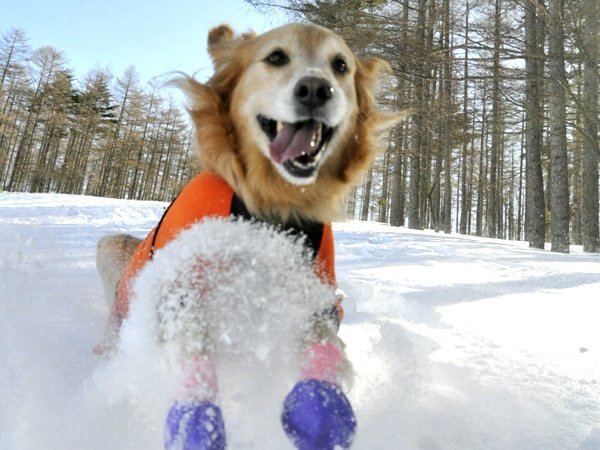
[(457, 342)]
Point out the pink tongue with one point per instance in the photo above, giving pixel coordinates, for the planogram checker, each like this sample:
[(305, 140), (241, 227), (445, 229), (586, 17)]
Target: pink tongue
[(291, 142)]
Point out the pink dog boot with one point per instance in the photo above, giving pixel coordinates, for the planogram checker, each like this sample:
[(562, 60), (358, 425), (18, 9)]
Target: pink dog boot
[(318, 416), (316, 413), (195, 422), (195, 426)]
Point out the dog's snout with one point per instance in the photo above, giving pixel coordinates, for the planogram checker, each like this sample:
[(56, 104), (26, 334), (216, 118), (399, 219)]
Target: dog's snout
[(313, 92)]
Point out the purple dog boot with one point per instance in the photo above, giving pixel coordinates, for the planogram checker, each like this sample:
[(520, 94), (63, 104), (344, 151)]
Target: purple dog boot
[(318, 416), (194, 426)]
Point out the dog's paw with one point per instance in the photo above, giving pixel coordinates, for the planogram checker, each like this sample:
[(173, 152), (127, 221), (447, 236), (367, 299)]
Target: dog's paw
[(318, 416), (195, 426)]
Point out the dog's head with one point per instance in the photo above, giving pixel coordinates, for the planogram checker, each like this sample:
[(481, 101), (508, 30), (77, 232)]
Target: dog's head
[(287, 118)]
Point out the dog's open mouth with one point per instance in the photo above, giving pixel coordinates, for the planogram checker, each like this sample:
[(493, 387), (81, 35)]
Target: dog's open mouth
[(297, 146)]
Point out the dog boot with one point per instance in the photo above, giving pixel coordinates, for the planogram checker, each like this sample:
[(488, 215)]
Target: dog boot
[(195, 426), (318, 416), (194, 421)]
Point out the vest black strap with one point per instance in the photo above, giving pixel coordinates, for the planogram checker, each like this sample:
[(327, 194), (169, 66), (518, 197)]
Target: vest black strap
[(311, 231), (157, 229)]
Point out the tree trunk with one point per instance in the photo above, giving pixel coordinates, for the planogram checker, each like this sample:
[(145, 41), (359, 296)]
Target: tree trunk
[(557, 84), (589, 222), (448, 111), (415, 219), (397, 182), (482, 166), (535, 221), (494, 198), (366, 198), (385, 187), (464, 204)]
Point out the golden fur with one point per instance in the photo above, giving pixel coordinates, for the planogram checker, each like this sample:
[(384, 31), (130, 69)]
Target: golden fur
[(233, 145), (226, 135)]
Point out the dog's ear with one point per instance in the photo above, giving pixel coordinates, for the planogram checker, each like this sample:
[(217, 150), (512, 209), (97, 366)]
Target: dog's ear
[(370, 72), (222, 41), (369, 76)]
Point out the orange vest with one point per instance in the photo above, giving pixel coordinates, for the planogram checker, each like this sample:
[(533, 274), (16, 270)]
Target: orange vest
[(207, 195)]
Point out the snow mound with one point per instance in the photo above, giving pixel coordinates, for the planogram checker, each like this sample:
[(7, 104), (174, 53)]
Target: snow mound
[(231, 288), (457, 342), (242, 291)]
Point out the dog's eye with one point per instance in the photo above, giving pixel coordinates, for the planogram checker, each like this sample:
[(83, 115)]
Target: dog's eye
[(277, 58), (339, 65)]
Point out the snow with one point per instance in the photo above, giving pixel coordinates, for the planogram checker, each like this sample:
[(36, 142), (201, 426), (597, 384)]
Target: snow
[(457, 342)]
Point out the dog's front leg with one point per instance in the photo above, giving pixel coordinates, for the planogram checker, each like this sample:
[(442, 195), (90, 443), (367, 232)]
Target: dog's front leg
[(195, 421), (316, 413)]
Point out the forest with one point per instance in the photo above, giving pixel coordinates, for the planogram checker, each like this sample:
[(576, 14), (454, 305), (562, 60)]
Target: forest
[(101, 136), (502, 142)]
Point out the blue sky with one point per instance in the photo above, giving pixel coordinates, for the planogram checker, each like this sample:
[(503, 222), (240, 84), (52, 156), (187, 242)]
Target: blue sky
[(155, 37)]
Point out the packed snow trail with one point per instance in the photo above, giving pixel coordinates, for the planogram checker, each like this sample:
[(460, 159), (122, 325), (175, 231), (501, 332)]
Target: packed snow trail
[(457, 342)]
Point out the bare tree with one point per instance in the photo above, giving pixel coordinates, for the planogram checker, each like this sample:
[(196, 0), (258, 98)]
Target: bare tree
[(557, 85), (416, 200), (535, 222), (465, 197), (589, 210), (46, 63), (14, 52)]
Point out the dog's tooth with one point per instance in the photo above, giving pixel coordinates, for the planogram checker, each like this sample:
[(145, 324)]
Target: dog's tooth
[(316, 137), (303, 165), (279, 126)]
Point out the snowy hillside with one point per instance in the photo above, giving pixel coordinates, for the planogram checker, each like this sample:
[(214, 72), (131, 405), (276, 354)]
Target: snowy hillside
[(458, 343)]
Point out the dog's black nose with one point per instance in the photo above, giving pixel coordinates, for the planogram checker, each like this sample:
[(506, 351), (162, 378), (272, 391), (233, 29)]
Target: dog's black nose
[(313, 92)]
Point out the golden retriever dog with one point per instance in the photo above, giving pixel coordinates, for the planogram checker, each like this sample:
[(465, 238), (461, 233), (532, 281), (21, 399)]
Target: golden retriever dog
[(285, 126)]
